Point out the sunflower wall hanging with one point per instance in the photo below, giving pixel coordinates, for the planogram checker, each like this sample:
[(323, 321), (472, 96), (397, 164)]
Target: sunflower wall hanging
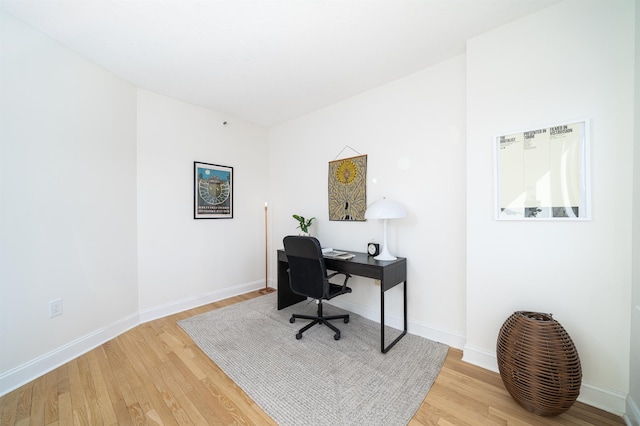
[(348, 189)]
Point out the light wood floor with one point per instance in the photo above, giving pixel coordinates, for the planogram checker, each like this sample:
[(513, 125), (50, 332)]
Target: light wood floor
[(154, 374)]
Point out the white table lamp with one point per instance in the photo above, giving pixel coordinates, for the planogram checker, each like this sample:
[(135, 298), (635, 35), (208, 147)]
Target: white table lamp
[(385, 209)]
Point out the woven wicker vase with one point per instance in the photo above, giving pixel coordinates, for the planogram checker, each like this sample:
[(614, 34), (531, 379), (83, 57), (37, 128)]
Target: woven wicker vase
[(539, 363)]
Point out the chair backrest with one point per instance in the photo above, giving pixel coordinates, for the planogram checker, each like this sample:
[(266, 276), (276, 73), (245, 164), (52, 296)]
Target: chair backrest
[(307, 271)]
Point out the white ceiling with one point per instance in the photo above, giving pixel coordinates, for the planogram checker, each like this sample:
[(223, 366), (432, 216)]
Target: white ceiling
[(266, 61)]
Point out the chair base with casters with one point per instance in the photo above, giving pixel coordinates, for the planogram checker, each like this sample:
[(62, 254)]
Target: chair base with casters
[(320, 318)]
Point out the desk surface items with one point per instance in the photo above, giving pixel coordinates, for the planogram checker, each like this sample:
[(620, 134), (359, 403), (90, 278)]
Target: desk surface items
[(390, 273), (337, 254)]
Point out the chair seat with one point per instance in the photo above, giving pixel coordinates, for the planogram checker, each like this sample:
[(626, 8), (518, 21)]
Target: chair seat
[(336, 290)]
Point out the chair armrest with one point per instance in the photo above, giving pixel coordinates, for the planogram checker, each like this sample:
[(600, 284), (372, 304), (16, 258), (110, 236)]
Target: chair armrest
[(346, 277)]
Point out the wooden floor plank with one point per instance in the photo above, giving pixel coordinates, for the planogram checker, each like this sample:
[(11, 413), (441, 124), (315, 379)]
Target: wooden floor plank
[(79, 406), (154, 374), (51, 398), (23, 406), (112, 387), (8, 408), (103, 400), (36, 416)]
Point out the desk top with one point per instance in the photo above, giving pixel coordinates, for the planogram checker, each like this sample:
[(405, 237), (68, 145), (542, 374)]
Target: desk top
[(389, 272)]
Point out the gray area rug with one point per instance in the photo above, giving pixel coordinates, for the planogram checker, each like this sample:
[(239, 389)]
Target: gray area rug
[(317, 380)]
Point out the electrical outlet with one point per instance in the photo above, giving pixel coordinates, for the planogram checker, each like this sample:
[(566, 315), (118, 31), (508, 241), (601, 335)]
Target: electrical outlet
[(55, 308)]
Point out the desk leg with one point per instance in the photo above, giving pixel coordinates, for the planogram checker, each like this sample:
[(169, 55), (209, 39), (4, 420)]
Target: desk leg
[(382, 348)]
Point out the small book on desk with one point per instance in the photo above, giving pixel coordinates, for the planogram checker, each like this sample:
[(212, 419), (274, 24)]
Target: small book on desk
[(336, 254)]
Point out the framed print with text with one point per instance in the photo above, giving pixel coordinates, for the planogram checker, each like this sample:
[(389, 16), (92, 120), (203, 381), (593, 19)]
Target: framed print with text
[(543, 174), (213, 191)]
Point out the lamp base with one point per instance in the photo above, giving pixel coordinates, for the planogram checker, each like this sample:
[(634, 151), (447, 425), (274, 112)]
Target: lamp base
[(266, 290), (385, 255)]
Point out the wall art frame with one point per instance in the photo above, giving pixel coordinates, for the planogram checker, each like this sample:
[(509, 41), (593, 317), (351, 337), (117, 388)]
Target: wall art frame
[(543, 173), (347, 189), (212, 191)]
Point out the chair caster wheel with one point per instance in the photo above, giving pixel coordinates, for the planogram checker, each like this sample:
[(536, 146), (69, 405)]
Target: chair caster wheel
[(298, 336), (337, 336), (346, 320), (292, 320)]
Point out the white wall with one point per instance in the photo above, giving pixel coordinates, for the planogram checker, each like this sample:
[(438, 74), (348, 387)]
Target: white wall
[(570, 61), (185, 262), (72, 224), (94, 171), (633, 402), (412, 131), (68, 201)]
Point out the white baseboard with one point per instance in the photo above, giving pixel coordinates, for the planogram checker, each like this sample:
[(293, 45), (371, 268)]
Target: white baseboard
[(481, 358), (604, 399), (430, 332), (35, 368), (396, 321), (367, 312), (41, 365), (167, 309), (632, 416), (607, 400)]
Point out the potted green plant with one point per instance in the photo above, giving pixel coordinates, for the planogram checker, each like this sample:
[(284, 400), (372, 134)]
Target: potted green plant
[(303, 223)]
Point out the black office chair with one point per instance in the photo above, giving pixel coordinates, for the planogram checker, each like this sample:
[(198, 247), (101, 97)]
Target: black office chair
[(308, 277)]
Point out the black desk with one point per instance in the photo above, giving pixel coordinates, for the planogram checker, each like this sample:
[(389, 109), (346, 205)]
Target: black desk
[(390, 273)]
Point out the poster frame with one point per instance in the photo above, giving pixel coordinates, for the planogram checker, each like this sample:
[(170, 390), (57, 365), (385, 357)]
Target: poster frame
[(207, 205), (510, 170)]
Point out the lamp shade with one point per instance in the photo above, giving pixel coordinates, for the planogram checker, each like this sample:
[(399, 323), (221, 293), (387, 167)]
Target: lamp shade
[(385, 209)]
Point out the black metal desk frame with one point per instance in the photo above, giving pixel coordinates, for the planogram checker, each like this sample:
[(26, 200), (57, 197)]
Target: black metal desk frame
[(389, 273)]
